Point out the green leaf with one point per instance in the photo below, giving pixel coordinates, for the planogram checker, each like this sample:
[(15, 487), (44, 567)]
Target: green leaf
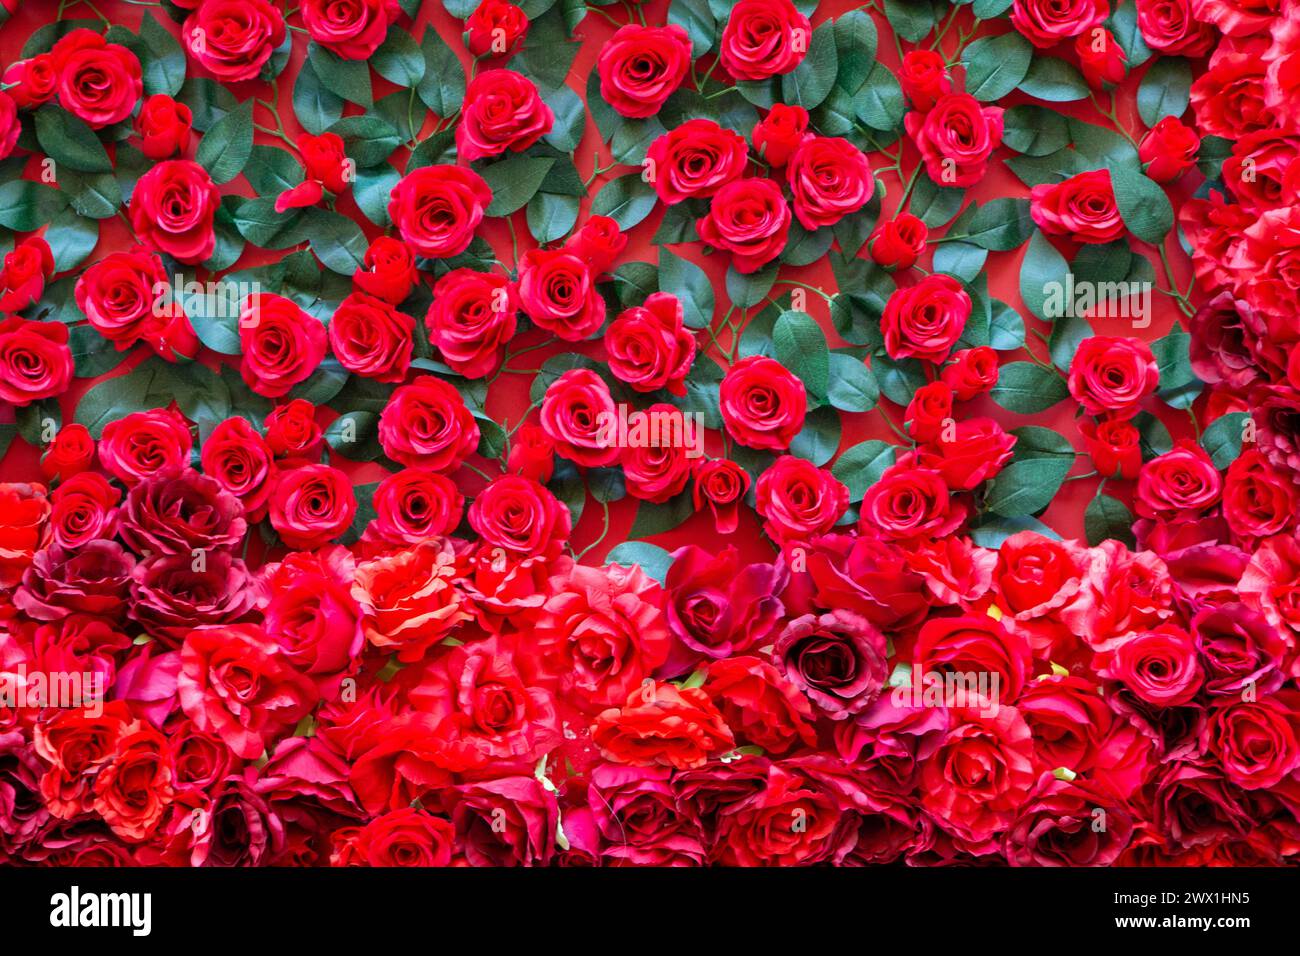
[(71, 238), (804, 247), (695, 17), (819, 439), (92, 354), (652, 519), (996, 65), (690, 284), (1179, 385), (259, 223), (627, 200), (1034, 130), (748, 289), (1027, 486), (990, 530), (550, 217), (960, 259), (97, 195), (398, 59), (898, 380), (1222, 438), (570, 119), (1143, 205), (1124, 25), (851, 385), (548, 52), (1042, 271), (1000, 225), (514, 181), (1054, 80), (801, 347), (808, 84), (271, 171), (442, 88), (934, 205), (1165, 89), (336, 240), (650, 558), (69, 141), (26, 205), (349, 79), (879, 103), (861, 466), (911, 19), (215, 320), (225, 149), (1026, 388), (368, 139), (162, 60), (316, 107), (1068, 332), (1107, 518)]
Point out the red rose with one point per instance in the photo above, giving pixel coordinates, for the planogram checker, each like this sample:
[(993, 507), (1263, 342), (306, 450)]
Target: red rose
[(1168, 149), (93, 580), (762, 403), (1169, 27), (427, 425), (829, 178), (353, 29), (282, 345), (495, 27), (924, 78), (558, 291), (1161, 666), (1114, 445), (507, 822), (1237, 17), (763, 38), (1258, 500), (799, 500), (23, 531), (837, 659), (233, 39), (173, 207), (1178, 484), (164, 126), (124, 295), (1229, 98), (410, 598), (759, 705), (236, 683), (1112, 374), (532, 454), (10, 126), (35, 361), (520, 515), (310, 611), (71, 453), (389, 271), (909, 502), (1082, 208), (99, 82), (695, 160), (239, 458), (1057, 826), (85, 508), (972, 372), (134, 787), (658, 469), (778, 134), (924, 321), (412, 505), (292, 432), (1256, 740), (33, 81), (437, 208), (662, 725), (1256, 172), (750, 219), (1101, 58), (371, 338), (598, 242), (310, 505), (1045, 23), (575, 414), (718, 606), (502, 111), (145, 443), (640, 67), (23, 275), (405, 837), (649, 347), (1068, 718), (723, 484), (172, 594), (974, 644), (974, 450), (75, 745), (324, 160), (471, 320), (929, 410), (956, 137), (306, 193), (898, 243), (636, 812)]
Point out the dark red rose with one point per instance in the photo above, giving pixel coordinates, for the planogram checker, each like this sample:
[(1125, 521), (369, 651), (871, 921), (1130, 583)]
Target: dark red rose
[(1068, 823), (171, 594), (507, 822), (837, 659), (179, 512), (717, 606), (92, 580)]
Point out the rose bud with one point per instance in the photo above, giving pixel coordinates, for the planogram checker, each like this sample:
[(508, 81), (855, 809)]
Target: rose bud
[(164, 126), (32, 82), (23, 275), (779, 133), (1113, 444), (598, 242), (1168, 149), (1101, 58), (924, 78), (930, 407), (324, 159), (532, 454), (292, 432), (898, 243), (723, 484), (972, 372), (495, 27), (71, 453), (389, 272), (306, 193)]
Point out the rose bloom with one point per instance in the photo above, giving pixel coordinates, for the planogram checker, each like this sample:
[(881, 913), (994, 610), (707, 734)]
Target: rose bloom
[(649, 346), (310, 504), (84, 508), (973, 644), (412, 505), (437, 208), (519, 515), (924, 78), (718, 606), (23, 273), (1256, 740), (750, 219), (1178, 484), (1081, 208), (171, 594), (410, 599), (145, 443), (92, 580), (658, 469), (600, 634), (1056, 826), (956, 137), (598, 242), (576, 413), (929, 410), (1101, 59), (759, 705), (1228, 98), (722, 484), (235, 683), (405, 837), (75, 745), (282, 345), (164, 126), (799, 500), (324, 159), (503, 111), (34, 81), (638, 816), (867, 575), (173, 208), (925, 320), (99, 82), (1068, 718), (427, 425), (471, 319), (837, 659), (495, 27), (762, 403), (238, 457), (120, 295), (310, 611), (292, 432), (388, 270), (1224, 332), (972, 372), (71, 453), (507, 822), (640, 67), (233, 39), (663, 725), (695, 160), (1170, 28), (1256, 171), (1044, 23), (898, 243), (1240, 646), (1258, 500), (353, 30), (371, 338), (778, 134), (829, 178), (532, 454), (35, 361), (179, 511), (1168, 149), (1114, 444), (558, 291), (134, 787), (25, 510), (1112, 374), (763, 38), (10, 127), (909, 502)]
